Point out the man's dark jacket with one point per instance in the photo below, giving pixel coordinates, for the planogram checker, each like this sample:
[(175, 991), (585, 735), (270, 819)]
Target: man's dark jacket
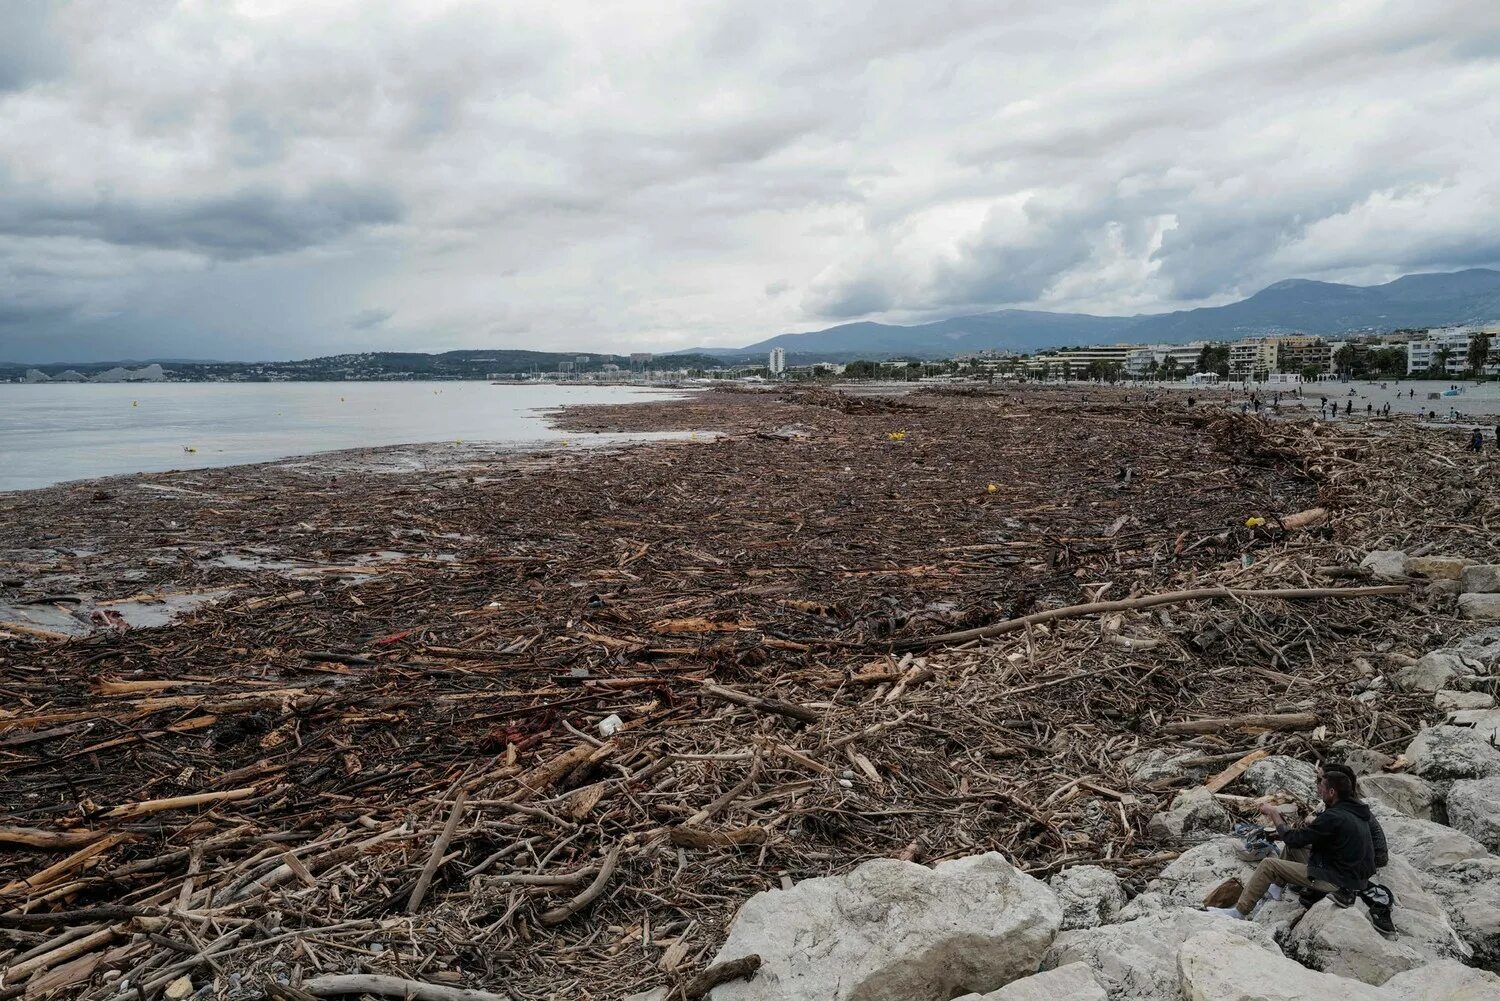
[(1345, 845)]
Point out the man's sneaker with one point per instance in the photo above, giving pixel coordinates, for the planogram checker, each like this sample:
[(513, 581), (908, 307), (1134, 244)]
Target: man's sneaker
[(1228, 912), (1344, 898), (1309, 897)]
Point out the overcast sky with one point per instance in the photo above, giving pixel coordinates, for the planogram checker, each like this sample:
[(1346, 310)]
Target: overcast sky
[(284, 178)]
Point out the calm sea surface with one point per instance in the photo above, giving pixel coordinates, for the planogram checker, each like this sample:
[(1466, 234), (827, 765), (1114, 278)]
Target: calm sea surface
[(54, 433)]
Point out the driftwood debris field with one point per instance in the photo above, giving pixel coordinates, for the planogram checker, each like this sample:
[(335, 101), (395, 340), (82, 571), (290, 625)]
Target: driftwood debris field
[(536, 726)]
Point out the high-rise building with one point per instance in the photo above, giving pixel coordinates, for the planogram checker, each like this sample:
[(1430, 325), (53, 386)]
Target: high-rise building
[(778, 361)]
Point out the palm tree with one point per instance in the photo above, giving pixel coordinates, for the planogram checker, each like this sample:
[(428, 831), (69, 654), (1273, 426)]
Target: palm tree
[(1479, 352)]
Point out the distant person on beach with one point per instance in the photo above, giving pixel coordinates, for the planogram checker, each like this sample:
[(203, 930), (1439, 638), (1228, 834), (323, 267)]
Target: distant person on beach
[(1476, 441), (1349, 408)]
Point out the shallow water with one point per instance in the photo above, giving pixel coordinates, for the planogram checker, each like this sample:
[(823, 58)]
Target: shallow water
[(54, 433)]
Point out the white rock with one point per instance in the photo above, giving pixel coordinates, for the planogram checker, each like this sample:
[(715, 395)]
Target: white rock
[(1483, 723), (1157, 764), (1463, 700), (1138, 959), (1386, 564), (1438, 567), (1424, 844), (1445, 981), (893, 931), (1474, 808), (1216, 965), (1090, 896), (1479, 606), (1481, 578), (1193, 812), (1433, 671), (1187, 879), (1074, 982), (1444, 753), (1342, 941), (1481, 646), (1280, 773), (654, 994), (1470, 893), (1405, 794)]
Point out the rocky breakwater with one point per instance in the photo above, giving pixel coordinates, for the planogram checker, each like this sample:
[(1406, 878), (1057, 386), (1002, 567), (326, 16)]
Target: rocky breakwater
[(977, 928)]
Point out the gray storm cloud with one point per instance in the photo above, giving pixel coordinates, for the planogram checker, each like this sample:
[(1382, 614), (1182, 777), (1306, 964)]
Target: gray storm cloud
[(263, 178)]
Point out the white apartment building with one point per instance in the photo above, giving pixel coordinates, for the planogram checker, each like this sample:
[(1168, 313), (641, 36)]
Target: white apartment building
[(1427, 353), (1251, 359), (1185, 358), (777, 363), (1072, 363)]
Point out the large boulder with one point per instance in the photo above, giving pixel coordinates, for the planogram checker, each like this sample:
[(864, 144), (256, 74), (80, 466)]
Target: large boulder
[(1158, 764), (1343, 941), (1481, 646), (1455, 700), (1470, 893), (1217, 965), (1387, 564), (1074, 982), (1407, 795), (1187, 879), (1445, 981), (893, 931), (1138, 959), (1474, 808), (1424, 844), (1438, 567), (1483, 723), (1481, 578), (1090, 896), (1280, 773), (1435, 671), (1479, 607), (1194, 812), (1445, 753)]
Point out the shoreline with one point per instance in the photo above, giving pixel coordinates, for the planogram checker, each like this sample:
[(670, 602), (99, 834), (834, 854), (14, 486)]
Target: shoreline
[(394, 640)]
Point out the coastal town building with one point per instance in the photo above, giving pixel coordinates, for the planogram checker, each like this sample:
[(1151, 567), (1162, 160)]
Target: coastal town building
[(777, 363), (1251, 359), (1074, 363), (1152, 359), (1447, 349), (1302, 352)]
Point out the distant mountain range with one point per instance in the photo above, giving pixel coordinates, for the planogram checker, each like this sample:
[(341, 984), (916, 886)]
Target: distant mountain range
[(1426, 300)]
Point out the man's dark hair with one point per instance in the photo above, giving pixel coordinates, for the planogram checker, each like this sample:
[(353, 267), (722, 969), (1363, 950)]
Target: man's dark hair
[(1340, 782), (1342, 769)]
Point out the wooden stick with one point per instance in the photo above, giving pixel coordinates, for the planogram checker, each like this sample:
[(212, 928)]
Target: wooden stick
[(1278, 721), (179, 802), (33, 838), (560, 914), (1235, 770), (775, 706), (414, 990), (720, 973), (692, 837), (1146, 601), (439, 849)]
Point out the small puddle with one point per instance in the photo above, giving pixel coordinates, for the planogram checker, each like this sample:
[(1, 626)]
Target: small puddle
[(85, 615)]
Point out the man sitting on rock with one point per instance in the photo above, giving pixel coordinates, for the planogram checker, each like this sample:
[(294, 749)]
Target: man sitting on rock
[(1340, 852)]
